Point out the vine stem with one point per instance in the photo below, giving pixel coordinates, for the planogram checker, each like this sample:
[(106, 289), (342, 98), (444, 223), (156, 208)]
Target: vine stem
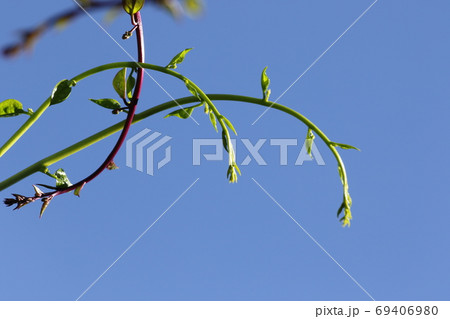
[(36, 115), (25, 127), (42, 165), (45, 162), (137, 21), (29, 36)]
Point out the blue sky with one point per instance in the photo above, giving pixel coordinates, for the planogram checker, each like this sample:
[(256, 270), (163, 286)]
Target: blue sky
[(382, 87)]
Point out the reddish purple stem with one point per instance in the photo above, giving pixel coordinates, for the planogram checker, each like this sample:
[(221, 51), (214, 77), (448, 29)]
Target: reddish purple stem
[(137, 21)]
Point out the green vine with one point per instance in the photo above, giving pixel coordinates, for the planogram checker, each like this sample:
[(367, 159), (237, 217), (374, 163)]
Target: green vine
[(128, 88), (43, 164)]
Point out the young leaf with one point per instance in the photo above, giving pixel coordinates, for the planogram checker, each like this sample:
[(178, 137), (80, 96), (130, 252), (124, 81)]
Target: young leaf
[(309, 141), (61, 91), (132, 6), (212, 118), (10, 108), (341, 174), (347, 214), (231, 173), (183, 113), (119, 83), (178, 59), (348, 198), (225, 140), (265, 82), (344, 146), (62, 181), (237, 168), (107, 103), (345, 206), (228, 123), (192, 89), (131, 82), (341, 208)]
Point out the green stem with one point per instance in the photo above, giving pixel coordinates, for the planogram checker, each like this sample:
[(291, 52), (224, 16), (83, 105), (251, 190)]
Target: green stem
[(207, 98), (220, 118), (44, 163), (34, 117), (25, 127)]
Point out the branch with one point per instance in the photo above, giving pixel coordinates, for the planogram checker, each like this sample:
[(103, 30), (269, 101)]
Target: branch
[(44, 163), (47, 197), (38, 113), (28, 37)]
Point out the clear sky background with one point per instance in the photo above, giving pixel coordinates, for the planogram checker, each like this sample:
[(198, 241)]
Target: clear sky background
[(383, 87)]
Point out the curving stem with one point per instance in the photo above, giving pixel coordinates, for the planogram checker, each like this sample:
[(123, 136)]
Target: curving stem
[(46, 197)]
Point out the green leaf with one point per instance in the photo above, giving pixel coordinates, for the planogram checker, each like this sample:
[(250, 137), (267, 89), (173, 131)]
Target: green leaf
[(62, 181), (231, 173), (348, 198), (192, 89), (228, 123), (183, 113), (132, 6), (341, 174), (119, 83), (341, 208), (347, 214), (237, 168), (225, 140), (11, 107), (61, 91), (212, 118), (345, 207), (131, 82), (265, 82), (309, 141), (344, 146), (107, 103), (178, 59)]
